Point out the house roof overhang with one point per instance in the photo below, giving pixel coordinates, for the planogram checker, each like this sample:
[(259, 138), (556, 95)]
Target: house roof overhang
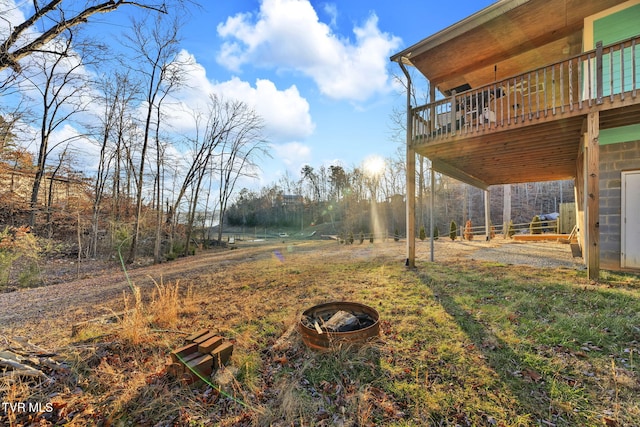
[(457, 29), (506, 38)]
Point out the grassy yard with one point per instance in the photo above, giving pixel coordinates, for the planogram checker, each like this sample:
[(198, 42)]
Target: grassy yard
[(463, 343)]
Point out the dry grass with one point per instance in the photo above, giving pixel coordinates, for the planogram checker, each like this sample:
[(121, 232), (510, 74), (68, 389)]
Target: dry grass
[(463, 342), (134, 321), (165, 304)]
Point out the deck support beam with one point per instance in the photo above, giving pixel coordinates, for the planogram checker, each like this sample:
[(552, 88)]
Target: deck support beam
[(487, 215), (432, 210), (410, 177), (592, 195), (411, 207), (506, 209)]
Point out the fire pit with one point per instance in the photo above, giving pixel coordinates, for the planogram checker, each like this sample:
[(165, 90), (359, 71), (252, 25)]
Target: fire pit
[(326, 325)]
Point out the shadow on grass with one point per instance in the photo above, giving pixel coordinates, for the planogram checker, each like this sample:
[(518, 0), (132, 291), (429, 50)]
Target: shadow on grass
[(523, 381), (560, 346)]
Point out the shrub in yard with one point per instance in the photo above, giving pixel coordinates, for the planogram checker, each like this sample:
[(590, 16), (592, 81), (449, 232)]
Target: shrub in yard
[(121, 235), (30, 275), (177, 250), (361, 237), (351, 238), (18, 244), (371, 238), (436, 233), (453, 230), (423, 234), (468, 233), (396, 235), (536, 225)]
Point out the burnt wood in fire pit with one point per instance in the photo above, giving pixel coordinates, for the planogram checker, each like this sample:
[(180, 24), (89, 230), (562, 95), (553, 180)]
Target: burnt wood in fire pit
[(325, 325)]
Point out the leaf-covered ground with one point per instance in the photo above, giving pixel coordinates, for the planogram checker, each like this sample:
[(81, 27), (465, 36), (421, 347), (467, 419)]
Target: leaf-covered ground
[(464, 341)]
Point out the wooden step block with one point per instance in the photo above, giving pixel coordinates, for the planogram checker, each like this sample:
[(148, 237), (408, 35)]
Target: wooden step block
[(203, 338), (209, 345), (188, 358), (203, 365), (196, 335), (182, 352), (175, 369), (221, 354)]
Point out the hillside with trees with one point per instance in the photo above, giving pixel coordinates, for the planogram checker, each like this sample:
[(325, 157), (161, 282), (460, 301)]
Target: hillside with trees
[(347, 198), (91, 163)]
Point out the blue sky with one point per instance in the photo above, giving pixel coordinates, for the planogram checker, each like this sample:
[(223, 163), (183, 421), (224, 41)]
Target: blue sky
[(317, 72)]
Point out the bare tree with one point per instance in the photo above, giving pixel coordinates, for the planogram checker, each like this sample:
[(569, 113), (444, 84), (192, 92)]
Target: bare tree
[(174, 79), (393, 179), (239, 150), (227, 133), (54, 19), (62, 173), (60, 82), (209, 132), (156, 51), (118, 93)]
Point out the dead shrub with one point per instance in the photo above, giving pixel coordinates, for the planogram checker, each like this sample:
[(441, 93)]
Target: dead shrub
[(134, 321), (165, 304)]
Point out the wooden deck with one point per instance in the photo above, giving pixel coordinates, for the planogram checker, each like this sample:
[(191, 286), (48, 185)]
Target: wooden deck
[(528, 128)]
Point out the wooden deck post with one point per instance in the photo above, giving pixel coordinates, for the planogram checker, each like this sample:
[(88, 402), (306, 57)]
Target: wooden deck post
[(599, 74), (487, 215), (452, 113), (506, 209), (432, 210), (579, 190), (592, 193), (411, 207), (410, 177)]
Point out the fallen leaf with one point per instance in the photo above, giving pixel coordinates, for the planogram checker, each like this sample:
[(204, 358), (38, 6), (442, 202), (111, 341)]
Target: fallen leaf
[(531, 375), (610, 422), (281, 360)]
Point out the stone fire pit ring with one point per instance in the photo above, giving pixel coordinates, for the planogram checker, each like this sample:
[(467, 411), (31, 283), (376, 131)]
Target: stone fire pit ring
[(313, 325)]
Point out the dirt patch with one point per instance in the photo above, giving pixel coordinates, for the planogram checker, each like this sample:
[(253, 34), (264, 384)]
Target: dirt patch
[(100, 291)]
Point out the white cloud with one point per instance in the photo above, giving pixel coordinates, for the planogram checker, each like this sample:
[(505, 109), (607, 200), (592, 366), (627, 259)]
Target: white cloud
[(292, 154), (70, 143), (10, 16), (331, 10), (288, 35), (285, 112)]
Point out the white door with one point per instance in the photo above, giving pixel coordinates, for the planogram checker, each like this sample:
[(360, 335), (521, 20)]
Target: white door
[(630, 250)]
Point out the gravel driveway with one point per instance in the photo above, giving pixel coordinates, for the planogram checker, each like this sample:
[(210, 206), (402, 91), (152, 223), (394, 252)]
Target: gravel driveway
[(534, 254)]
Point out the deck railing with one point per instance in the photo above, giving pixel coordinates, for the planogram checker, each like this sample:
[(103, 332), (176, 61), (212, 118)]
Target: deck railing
[(575, 84)]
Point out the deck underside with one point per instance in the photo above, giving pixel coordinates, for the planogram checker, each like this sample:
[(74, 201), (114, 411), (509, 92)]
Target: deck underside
[(540, 149)]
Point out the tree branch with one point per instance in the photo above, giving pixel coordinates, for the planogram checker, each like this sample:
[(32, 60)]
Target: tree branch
[(9, 58)]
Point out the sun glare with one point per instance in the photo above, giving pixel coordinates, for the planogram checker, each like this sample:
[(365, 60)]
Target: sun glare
[(373, 166)]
